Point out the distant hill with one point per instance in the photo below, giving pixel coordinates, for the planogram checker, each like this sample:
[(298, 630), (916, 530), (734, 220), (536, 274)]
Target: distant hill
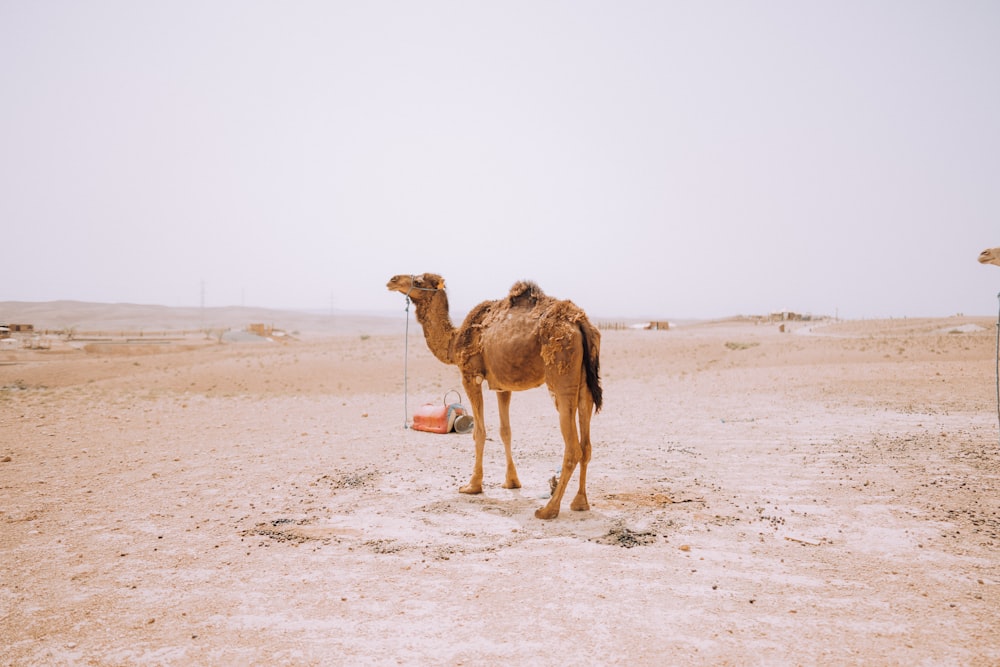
[(87, 316)]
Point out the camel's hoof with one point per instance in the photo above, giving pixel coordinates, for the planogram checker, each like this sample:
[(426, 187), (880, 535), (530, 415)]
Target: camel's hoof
[(471, 489), (546, 513), (512, 484), (579, 504)]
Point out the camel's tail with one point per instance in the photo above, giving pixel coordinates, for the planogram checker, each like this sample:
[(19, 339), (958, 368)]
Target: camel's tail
[(592, 360)]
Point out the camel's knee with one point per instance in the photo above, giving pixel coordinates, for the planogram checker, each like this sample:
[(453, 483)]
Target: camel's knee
[(568, 468), (572, 457)]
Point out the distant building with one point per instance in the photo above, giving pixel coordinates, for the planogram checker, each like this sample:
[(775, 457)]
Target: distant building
[(22, 328), (262, 330), (788, 316)]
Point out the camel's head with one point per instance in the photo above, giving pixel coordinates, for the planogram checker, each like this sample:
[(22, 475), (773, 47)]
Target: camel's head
[(990, 256), (415, 286)]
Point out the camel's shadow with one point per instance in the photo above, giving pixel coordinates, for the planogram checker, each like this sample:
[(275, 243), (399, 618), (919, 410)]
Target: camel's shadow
[(518, 506), (399, 518)]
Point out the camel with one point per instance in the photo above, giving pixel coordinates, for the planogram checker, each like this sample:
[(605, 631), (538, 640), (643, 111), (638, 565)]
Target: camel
[(520, 342), (990, 256)]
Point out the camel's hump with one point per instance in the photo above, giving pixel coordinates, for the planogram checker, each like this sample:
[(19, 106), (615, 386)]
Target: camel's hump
[(525, 291)]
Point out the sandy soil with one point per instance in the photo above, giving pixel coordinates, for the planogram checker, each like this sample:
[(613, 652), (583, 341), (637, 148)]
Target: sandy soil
[(828, 495)]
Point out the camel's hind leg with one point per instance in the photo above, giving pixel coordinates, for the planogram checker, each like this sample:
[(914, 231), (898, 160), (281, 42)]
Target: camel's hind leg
[(586, 411), (474, 391), (503, 404), (571, 455)]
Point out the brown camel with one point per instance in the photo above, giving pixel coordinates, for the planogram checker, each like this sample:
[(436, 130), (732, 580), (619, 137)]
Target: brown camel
[(990, 256), (513, 344)]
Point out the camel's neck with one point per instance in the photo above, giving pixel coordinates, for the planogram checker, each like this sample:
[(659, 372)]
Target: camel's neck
[(432, 313)]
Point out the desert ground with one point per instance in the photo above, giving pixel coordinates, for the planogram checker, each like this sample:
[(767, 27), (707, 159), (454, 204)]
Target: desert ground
[(827, 494)]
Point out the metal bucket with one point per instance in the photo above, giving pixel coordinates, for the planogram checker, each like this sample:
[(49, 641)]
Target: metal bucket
[(464, 423)]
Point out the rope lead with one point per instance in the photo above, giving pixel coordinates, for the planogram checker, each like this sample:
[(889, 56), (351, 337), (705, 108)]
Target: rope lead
[(406, 350), (406, 344)]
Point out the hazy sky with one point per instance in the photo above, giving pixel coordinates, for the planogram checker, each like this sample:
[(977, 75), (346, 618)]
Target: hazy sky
[(648, 159)]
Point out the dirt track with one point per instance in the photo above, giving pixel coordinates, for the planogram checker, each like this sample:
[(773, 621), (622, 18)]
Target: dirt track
[(757, 497)]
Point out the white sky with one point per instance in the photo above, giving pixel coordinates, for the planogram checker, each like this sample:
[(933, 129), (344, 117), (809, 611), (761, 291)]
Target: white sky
[(648, 159)]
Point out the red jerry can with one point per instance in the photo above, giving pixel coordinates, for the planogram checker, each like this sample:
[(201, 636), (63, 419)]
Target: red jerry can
[(442, 418)]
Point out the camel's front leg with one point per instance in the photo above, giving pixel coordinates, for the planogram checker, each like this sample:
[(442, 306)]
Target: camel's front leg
[(474, 390), (503, 404)]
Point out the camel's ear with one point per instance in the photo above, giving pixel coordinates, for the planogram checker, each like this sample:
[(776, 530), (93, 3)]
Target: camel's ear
[(431, 281)]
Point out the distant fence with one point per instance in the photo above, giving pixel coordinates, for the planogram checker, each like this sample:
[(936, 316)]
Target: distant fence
[(608, 325), (121, 333)]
